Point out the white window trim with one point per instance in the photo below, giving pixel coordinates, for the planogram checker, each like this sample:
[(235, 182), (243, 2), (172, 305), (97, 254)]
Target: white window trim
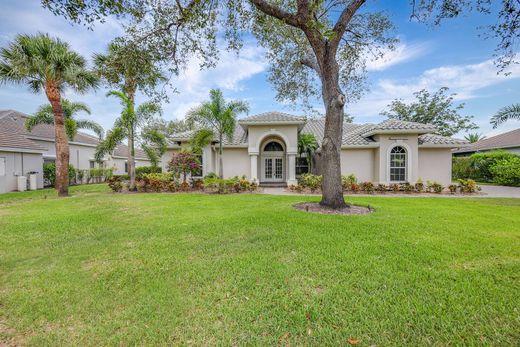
[(399, 143)]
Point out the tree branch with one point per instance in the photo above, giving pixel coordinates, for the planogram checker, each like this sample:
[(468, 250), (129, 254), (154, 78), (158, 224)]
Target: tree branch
[(344, 19), (277, 12)]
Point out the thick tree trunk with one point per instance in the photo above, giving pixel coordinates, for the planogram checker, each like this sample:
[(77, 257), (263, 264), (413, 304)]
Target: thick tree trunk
[(220, 167), (334, 101), (60, 140)]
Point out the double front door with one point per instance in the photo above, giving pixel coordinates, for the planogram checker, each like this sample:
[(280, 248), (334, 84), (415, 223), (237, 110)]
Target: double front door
[(272, 169)]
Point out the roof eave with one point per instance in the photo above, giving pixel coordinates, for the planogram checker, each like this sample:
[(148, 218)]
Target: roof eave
[(372, 145), (22, 150), (441, 145), (399, 131)]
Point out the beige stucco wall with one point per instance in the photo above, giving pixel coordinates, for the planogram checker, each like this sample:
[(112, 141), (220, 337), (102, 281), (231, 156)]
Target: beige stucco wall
[(382, 158), (236, 162), (20, 164), (435, 165), (360, 162), (288, 133)]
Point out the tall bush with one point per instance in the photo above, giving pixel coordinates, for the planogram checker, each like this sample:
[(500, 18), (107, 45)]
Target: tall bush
[(184, 163), (506, 172), (481, 164), (49, 173)]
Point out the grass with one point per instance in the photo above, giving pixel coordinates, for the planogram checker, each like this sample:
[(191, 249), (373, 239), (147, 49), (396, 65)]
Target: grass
[(178, 269)]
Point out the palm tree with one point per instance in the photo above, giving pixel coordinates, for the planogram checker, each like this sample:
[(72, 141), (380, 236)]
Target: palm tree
[(48, 64), (218, 116), (129, 68), (474, 137), (44, 115), (505, 114), (307, 144), (128, 126)]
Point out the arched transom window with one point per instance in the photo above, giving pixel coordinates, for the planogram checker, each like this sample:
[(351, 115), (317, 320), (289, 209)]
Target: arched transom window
[(398, 164), (273, 146)]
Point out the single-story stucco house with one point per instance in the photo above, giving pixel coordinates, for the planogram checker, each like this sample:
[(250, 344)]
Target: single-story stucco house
[(508, 141), (264, 148), (22, 151)]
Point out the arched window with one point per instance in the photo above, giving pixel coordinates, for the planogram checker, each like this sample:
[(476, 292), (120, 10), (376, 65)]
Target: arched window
[(398, 164), (273, 147)]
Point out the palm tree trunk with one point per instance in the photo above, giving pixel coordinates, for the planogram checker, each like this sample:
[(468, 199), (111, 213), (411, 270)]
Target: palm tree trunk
[(60, 140), (131, 145), (130, 160), (220, 167)]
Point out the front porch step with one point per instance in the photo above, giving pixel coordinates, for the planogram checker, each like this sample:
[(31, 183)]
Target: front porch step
[(273, 184)]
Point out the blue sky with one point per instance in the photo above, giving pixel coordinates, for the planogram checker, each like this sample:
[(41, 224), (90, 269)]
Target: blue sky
[(452, 55)]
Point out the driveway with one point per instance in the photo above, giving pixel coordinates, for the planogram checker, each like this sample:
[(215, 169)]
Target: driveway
[(487, 192)]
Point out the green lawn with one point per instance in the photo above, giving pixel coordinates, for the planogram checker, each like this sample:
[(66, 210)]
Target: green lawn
[(166, 269)]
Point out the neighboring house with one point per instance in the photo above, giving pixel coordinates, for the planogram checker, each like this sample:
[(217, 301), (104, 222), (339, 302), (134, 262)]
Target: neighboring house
[(509, 141), (18, 156), (40, 143), (264, 149)]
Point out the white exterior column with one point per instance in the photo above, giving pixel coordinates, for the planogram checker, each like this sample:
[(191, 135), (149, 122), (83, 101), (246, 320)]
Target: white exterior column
[(254, 167), (291, 162)]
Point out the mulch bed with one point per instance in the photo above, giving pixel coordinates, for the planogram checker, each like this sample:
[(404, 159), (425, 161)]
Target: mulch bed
[(315, 207)]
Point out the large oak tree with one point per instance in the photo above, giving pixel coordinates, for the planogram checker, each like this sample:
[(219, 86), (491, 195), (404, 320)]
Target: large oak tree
[(329, 37)]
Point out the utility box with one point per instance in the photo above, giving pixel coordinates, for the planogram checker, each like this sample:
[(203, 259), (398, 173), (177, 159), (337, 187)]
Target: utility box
[(33, 182), (22, 183)]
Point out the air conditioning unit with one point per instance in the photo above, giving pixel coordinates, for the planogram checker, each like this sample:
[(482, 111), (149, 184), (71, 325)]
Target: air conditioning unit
[(22, 183)]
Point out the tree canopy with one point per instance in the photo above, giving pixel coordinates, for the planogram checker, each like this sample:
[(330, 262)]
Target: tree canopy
[(436, 108)]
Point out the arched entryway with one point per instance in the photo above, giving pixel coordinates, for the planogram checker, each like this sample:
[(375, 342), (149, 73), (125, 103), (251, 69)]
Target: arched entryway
[(273, 160)]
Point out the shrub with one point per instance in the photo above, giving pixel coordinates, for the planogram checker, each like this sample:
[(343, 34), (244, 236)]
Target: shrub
[(226, 186), (313, 182), (437, 187), (184, 163), (354, 187), (49, 174), (467, 186), (506, 171), (381, 188), (346, 181), (452, 188), (99, 174), (419, 186), (211, 175), (461, 168), (394, 187), (197, 183), (156, 182), (143, 170), (367, 187), (481, 164), (407, 187), (115, 183)]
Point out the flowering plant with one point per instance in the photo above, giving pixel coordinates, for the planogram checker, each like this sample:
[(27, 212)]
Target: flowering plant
[(184, 163)]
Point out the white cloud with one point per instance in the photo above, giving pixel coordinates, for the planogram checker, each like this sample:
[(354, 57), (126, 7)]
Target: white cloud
[(465, 80), (229, 74), (402, 53)]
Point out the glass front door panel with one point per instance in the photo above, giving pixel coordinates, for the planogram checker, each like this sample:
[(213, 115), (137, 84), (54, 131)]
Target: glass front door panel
[(278, 168), (268, 168)]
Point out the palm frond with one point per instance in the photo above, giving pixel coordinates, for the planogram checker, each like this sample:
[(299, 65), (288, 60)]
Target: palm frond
[(505, 114), (114, 137), (200, 139), (44, 115), (90, 125)]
